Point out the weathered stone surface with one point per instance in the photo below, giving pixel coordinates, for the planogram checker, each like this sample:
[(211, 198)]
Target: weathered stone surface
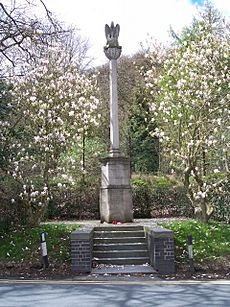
[(112, 49), (113, 53), (115, 171), (116, 204), (160, 232), (116, 195), (82, 234), (114, 122), (111, 34)]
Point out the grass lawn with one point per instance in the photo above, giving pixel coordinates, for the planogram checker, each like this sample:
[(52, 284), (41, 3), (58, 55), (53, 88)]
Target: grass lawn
[(210, 241), (211, 247), (24, 245)]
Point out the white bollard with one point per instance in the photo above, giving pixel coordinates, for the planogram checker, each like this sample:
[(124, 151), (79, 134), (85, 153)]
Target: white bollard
[(190, 253), (44, 250)]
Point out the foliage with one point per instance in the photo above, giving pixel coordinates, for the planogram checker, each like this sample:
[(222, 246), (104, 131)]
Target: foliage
[(141, 199), (11, 214), (155, 196), (86, 156), (52, 105), (78, 203), (220, 200), (192, 107), (143, 146), (24, 244), (210, 241)]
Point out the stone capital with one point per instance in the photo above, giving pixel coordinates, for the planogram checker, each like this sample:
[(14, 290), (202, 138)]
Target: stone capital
[(112, 53)]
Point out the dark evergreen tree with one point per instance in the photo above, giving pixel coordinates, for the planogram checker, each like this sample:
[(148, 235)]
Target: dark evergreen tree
[(143, 147)]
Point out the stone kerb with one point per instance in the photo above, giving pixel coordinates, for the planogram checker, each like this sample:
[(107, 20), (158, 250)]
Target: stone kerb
[(161, 249), (82, 250)]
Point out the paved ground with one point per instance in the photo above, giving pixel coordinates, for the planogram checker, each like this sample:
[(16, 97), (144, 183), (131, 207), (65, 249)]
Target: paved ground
[(114, 294), (143, 222)]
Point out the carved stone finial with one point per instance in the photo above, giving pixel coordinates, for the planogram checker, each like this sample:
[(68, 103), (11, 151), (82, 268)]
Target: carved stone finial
[(111, 34), (112, 49)]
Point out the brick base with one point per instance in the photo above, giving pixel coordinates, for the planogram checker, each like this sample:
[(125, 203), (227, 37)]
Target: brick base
[(161, 249), (160, 246), (81, 250)]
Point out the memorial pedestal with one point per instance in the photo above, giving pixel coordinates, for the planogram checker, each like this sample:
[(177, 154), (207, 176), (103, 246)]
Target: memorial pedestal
[(116, 195)]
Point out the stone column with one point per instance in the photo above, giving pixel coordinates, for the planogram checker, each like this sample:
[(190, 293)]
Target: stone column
[(113, 53), (114, 125), (115, 196)]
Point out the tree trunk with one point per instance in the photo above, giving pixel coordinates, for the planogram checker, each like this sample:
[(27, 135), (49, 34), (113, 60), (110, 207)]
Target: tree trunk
[(34, 217), (28, 213), (203, 211)]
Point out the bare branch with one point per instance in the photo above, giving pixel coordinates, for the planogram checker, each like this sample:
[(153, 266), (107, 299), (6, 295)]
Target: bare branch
[(48, 13), (6, 56)]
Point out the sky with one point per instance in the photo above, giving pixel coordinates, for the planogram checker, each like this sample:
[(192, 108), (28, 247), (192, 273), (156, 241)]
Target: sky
[(138, 19)]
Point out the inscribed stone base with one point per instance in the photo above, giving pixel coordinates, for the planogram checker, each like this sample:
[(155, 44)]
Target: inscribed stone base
[(116, 205), (116, 195)]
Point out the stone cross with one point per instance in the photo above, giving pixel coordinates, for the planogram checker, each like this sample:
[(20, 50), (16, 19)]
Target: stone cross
[(113, 51)]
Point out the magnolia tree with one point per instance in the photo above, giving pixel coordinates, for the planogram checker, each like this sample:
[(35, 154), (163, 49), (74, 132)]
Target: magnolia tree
[(28, 29), (50, 108), (192, 110)]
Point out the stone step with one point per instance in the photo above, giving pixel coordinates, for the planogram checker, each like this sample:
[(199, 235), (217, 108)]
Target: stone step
[(121, 246), (116, 234), (123, 261), (125, 269), (119, 228), (120, 254), (120, 240)]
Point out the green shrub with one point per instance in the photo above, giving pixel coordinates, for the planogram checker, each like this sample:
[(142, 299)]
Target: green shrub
[(141, 199), (162, 182), (11, 209), (220, 199), (78, 203), (155, 196), (138, 182)]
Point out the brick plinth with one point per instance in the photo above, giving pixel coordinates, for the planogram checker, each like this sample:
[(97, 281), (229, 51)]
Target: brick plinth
[(161, 249), (82, 250)]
